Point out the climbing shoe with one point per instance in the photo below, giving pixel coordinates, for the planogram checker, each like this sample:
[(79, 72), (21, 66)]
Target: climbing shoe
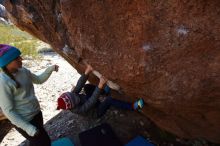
[(138, 104)]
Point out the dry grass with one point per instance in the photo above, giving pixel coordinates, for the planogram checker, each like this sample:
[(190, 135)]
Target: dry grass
[(10, 34)]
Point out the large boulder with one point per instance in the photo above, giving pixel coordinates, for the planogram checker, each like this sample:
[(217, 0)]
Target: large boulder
[(167, 52)]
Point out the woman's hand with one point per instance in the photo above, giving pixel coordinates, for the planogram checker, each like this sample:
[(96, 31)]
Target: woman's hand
[(36, 133), (88, 70), (56, 68), (102, 82)]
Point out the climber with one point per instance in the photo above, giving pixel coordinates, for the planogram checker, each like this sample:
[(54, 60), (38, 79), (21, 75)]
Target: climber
[(98, 96)]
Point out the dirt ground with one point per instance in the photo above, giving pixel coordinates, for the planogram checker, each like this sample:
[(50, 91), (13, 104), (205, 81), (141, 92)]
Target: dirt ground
[(126, 124)]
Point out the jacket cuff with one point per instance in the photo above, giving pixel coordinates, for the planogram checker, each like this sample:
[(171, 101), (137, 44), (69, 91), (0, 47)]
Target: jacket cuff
[(31, 130)]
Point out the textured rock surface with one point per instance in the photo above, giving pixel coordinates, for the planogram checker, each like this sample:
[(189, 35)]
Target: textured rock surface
[(167, 52)]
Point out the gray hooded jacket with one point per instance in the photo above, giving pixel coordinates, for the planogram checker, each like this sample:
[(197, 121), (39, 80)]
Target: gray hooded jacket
[(82, 105)]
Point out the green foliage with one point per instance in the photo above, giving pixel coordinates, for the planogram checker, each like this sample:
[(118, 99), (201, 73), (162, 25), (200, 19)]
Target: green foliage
[(10, 34)]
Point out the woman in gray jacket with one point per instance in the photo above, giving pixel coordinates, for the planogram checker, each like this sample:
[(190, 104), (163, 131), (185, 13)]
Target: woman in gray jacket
[(17, 97)]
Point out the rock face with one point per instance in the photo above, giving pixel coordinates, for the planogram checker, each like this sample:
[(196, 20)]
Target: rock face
[(167, 52)]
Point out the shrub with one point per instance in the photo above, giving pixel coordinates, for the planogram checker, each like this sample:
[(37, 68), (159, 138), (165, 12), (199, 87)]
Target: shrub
[(10, 34)]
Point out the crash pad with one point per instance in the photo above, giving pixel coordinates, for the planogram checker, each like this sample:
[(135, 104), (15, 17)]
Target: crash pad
[(139, 141), (101, 135), (63, 142)]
